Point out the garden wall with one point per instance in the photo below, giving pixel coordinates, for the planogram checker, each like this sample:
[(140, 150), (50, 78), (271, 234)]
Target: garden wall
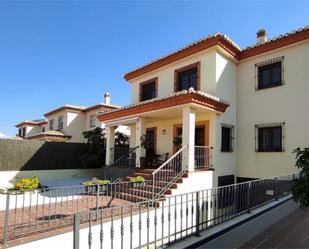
[(21, 155), (50, 161)]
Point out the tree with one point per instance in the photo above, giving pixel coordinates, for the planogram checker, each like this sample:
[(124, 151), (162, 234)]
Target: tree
[(95, 150), (300, 187), (96, 146), (121, 140)]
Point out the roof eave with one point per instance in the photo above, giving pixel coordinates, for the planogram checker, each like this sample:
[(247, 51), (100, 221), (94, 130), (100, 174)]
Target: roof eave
[(219, 40), (174, 101)]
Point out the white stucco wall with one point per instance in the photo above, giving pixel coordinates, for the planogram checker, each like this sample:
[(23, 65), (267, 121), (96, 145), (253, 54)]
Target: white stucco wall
[(225, 88), (55, 118), (165, 74), (31, 130), (288, 103), (218, 76), (75, 126), (97, 122)]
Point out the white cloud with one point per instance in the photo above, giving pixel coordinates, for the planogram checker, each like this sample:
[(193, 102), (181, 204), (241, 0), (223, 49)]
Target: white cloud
[(2, 135)]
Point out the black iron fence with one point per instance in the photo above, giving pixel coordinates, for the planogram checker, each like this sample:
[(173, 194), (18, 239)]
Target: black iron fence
[(119, 212), (202, 158), (30, 212), (159, 222)]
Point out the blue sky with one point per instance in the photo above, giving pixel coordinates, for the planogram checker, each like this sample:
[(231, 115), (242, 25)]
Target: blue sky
[(71, 52)]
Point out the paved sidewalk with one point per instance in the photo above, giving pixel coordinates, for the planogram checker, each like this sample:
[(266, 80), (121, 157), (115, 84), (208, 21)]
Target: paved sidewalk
[(292, 231)]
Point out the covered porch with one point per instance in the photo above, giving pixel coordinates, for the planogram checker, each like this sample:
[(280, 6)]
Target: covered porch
[(182, 123)]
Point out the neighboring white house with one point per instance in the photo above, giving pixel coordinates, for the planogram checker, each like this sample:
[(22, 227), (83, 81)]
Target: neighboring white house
[(67, 123), (242, 111)]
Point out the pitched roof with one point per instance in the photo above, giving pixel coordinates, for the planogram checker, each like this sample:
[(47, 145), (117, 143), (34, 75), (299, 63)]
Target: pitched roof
[(212, 40), (37, 122), (276, 42), (50, 133), (78, 108), (100, 105), (174, 99), (224, 42)]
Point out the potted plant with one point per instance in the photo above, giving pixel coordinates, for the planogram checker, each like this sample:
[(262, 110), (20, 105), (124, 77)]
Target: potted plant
[(147, 142), (138, 181), (177, 141), (95, 185)]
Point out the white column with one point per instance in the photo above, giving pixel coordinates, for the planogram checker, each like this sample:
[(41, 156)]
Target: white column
[(110, 143), (140, 131), (132, 136), (188, 136)]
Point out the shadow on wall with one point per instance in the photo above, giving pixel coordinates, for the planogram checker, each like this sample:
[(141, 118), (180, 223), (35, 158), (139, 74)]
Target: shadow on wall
[(24, 155), (44, 159)]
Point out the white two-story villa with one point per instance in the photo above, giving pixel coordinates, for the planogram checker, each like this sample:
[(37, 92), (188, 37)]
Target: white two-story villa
[(67, 123), (240, 112)]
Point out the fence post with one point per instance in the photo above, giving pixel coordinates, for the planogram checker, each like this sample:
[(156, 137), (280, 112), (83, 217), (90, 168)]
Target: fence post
[(276, 189), (248, 198), (153, 184), (76, 231), (97, 200), (197, 214), (6, 222)]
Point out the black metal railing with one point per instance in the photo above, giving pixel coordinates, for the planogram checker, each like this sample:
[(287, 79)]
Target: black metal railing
[(123, 158), (159, 223), (31, 212), (169, 172), (202, 157)]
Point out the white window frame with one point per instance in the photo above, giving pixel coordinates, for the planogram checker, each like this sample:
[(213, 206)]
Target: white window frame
[(60, 123), (51, 124), (92, 122)]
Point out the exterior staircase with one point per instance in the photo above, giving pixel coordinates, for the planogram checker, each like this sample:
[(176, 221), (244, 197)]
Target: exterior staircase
[(144, 192)]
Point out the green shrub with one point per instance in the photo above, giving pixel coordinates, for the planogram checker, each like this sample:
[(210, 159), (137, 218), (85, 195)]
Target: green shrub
[(96, 181), (27, 183), (137, 179), (300, 187)]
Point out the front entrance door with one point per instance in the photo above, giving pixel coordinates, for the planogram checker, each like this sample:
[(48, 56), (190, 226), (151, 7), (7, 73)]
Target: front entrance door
[(200, 136), (200, 151), (151, 135), (200, 131)]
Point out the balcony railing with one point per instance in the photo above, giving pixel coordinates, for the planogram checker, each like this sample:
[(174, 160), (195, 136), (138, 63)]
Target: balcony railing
[(202, 157)]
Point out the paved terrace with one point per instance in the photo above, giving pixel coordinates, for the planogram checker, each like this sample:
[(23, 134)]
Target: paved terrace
[(41, 221), (292, 231)]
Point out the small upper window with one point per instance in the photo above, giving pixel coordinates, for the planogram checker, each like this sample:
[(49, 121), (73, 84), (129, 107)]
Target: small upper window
[(148, 90), (270, 73), (43, 129), (187, 77), (92, 121), (60, 123), (227, 138), (19, 132), (24, 132), (51, 124), (269, 138)]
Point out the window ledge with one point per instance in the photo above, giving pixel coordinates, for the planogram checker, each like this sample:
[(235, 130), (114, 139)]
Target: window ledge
[(265, 88)]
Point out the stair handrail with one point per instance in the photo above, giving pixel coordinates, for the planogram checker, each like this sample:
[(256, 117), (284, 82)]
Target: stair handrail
[(119, 159), (164, 188), (170, 159)]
